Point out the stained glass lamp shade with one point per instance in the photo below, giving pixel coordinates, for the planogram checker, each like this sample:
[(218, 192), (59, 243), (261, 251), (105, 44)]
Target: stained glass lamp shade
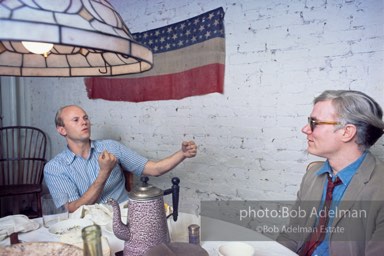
[(89, 39)]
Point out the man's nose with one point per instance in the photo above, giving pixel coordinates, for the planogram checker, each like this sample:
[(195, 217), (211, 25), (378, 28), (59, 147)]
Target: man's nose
[(306, 129)]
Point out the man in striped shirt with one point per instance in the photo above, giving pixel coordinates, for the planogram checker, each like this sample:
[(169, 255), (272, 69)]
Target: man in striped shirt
[(89, 170)]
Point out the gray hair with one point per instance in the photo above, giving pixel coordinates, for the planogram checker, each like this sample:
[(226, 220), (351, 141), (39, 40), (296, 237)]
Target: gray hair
[(357, 108)]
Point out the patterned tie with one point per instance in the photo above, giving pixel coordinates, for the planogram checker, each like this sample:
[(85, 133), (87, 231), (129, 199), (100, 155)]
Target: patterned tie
[(318, 233)]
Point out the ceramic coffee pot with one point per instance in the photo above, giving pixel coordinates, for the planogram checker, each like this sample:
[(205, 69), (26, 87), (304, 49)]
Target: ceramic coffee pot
[(146, 224)]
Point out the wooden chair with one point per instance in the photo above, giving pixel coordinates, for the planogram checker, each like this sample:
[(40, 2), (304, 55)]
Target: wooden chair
[(128, 181), (129, 178), (22, 160)]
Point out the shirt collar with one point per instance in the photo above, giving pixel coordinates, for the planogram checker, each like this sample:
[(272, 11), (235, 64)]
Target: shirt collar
[(346, 174), (70, 156)]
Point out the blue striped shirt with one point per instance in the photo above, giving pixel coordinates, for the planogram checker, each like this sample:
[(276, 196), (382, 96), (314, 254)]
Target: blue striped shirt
[(72, 174)]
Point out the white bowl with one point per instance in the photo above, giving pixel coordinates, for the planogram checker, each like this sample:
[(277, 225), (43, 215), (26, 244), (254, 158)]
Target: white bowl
[(236, 249)]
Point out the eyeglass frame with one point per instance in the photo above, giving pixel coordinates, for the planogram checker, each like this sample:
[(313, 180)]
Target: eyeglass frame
[(313, 123)]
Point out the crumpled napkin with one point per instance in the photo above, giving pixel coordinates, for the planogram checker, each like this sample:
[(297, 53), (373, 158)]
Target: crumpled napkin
[(100, 214), (15, 224)]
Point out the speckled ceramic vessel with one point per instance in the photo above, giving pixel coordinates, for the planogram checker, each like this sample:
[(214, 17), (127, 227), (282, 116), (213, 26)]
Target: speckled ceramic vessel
[(146, 221), (146, 225)]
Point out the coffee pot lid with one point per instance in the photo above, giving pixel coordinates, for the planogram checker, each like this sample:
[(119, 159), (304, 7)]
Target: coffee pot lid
[(145, 191)]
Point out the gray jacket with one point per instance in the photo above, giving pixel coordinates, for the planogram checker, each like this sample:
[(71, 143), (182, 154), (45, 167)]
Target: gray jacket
[(359, 226)]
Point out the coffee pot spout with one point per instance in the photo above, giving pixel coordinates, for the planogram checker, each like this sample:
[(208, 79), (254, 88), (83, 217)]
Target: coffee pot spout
[(121, 230)]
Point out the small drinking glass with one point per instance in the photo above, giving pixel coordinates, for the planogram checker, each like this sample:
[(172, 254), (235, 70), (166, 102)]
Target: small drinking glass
[(52, 213)]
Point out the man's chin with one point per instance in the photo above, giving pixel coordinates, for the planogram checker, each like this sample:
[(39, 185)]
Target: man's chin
[(85, 139), (314, 153), (311, 151), (86, 134)]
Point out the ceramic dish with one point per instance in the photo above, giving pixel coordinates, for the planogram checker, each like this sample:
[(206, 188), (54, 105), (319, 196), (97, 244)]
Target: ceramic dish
[(236, 249), (41, 249)]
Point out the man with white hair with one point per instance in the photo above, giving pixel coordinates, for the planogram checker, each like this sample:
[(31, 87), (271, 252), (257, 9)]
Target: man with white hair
[(342, 127)]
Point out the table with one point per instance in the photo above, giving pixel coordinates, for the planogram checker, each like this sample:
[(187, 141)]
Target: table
[(261, 247), (42, 234)]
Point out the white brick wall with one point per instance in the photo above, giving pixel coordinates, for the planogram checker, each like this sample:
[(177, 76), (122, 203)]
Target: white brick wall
[(280, 54)]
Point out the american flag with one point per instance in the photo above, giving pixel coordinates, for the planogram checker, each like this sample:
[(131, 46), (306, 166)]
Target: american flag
[(195, 30), (189, 58)]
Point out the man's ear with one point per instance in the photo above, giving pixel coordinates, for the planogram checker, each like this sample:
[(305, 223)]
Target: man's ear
[(349, 132), (61, 130)]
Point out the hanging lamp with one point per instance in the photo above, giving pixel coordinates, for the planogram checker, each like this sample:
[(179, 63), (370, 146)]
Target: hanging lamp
[(82, 38)]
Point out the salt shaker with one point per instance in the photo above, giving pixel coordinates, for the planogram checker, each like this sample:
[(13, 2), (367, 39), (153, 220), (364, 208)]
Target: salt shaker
[(194, 234), (92, 240)]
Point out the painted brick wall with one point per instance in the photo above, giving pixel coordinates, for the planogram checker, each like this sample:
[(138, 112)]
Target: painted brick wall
[(280, 55)]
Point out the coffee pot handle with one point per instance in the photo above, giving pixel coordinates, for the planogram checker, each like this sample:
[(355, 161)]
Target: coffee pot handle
[(175, 196)]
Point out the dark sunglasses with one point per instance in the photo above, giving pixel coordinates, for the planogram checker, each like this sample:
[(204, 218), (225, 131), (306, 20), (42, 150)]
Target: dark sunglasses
[(312, 123)]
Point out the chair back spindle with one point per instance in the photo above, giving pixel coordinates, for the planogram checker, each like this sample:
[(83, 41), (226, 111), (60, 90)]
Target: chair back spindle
[(22, 160)]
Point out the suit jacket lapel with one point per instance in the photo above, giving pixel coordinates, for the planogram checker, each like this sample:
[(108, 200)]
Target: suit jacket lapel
[(356, 186), (314, 193)]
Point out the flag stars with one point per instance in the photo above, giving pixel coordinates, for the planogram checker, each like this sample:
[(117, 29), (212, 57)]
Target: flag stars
[(183, 34)]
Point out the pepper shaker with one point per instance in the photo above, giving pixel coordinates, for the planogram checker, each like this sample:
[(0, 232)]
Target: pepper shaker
[(194, 234)]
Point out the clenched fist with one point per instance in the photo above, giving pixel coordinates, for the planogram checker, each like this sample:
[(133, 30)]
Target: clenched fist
[(107, 162), (189, 148)]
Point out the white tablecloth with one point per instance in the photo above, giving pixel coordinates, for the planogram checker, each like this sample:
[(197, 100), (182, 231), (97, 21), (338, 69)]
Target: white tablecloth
[(269, 248), (262, 245)]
